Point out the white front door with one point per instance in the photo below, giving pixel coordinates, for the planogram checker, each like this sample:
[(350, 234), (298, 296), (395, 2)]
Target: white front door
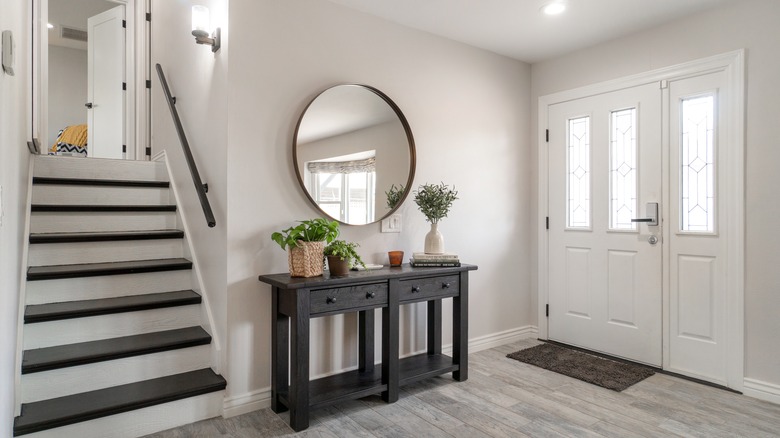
[(105, 78), (605, 271)]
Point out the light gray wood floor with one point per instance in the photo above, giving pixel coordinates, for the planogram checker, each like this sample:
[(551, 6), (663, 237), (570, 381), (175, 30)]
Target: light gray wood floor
[(507, 398)]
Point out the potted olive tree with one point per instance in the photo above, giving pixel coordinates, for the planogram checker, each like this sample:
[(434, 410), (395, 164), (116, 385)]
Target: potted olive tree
[(434, 201), (394, 195), (306, 244), (341, 257)]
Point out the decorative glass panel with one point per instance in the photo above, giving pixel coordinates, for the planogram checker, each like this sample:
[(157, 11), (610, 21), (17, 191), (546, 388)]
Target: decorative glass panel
[(697, 176), (578, 173), (622, 169)]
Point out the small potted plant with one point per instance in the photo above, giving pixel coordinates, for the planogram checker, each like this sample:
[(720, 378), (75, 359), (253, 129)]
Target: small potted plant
[(434, 201), (305, 244), (341, 257), (394, 195)]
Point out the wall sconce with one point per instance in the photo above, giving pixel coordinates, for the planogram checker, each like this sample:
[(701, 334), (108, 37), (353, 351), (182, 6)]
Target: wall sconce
[(200, 26)]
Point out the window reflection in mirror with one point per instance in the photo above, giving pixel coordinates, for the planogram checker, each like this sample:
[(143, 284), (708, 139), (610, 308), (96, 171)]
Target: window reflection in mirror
[(351, 145)]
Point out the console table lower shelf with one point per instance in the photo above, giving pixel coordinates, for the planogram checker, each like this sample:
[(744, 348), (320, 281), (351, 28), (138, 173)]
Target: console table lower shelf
[(296, 300)]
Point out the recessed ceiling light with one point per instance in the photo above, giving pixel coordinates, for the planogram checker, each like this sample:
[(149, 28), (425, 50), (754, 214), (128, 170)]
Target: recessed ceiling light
[(50, 26), (554, 8)]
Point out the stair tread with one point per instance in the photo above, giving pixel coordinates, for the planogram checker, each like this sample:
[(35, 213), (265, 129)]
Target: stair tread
[(104, 236), (99, 182), (109, 268), (98, 207), (78, 309), (48, 414), (62, 356)]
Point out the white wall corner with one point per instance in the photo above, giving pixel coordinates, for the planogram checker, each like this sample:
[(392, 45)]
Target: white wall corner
[(247, 402), (761, 390)]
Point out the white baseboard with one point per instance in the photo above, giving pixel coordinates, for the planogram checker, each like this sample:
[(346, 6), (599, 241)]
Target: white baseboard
[(761, 390), (261, 398), (247, 402)]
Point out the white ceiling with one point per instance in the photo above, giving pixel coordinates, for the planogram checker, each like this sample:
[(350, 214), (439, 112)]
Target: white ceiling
[(518, 29)]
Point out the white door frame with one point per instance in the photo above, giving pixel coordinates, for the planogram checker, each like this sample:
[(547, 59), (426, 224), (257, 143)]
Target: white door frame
[(137, 55), (733, 65)]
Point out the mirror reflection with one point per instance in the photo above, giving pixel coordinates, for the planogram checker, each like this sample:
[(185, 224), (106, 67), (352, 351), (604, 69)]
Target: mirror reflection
[(352, 145)]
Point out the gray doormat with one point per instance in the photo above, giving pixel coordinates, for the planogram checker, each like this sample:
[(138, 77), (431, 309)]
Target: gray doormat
[(606, 373)]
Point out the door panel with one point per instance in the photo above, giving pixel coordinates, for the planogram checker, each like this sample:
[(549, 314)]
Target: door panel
[(105, 75), (605, 289)]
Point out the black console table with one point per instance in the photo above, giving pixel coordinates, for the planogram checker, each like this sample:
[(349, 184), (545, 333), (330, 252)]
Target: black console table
[(297, 300)]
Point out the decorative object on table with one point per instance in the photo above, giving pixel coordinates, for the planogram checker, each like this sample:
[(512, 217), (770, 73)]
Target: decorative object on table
[(341, 256), (367, 267), (394, 195), (444, 260), (306, 244), (396, 258), (434, 201), (600, 371)]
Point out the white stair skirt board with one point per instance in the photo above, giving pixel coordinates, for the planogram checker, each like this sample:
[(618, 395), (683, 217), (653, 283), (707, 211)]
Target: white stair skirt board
[(42, 254), (107, 286), (71, 331), (142, 421), (96, 168), (63, 222), (83, 378), (99, 195)]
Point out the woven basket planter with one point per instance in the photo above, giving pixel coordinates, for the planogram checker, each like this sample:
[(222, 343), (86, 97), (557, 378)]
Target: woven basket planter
[(306, 259)]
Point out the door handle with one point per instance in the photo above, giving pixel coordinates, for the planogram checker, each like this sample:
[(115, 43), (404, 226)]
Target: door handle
[(651, 211), (88, 105)]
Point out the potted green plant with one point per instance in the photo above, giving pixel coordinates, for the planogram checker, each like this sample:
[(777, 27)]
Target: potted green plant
[(306, 244), (394, 195), (434, 201), (341, 257)]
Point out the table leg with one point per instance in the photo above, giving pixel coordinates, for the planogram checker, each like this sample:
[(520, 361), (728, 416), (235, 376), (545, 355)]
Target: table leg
[(390, 361), (299, 362), (280, 338), (434, 327), (366, 340), (460, 330)]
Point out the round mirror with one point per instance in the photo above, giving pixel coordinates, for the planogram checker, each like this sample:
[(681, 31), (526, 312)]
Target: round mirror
[(353, 152)]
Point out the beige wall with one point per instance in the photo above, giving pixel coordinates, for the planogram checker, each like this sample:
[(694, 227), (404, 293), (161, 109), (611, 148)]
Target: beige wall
[(469, 111), (67, 90), (745, 24), (14, 166)]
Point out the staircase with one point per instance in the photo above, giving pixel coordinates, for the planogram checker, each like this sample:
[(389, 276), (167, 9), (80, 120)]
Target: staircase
[(116, 340)]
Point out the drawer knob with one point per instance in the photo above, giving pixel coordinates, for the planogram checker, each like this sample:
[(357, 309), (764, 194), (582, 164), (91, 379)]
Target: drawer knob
[(445, 285), (330, 300), (370, 294), (415, 289)]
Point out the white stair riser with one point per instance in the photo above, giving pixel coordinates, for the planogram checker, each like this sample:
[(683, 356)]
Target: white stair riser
[(52, 222), (142, 421), (90, 377), (41, 254), (71, 331), (107, 286), (95, 168), (99, 195)]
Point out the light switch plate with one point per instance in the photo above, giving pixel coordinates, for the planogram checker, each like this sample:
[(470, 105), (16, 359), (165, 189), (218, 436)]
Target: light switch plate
[(392, 224), (8, 52)]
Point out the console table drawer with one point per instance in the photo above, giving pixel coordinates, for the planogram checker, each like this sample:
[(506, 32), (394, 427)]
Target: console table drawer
[(348, 298), (426, 288)]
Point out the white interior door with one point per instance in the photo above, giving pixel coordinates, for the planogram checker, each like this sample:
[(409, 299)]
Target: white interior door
[(605, 271), (105, 78)]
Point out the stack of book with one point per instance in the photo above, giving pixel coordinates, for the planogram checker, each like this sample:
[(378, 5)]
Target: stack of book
[(423, 260)]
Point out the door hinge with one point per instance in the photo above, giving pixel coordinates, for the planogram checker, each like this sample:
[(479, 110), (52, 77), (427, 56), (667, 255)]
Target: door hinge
[(148, 151), (124, 86), (547, 135), (124, 24), (148, 84), (547, 310), (124, 148), (547, 223), (149, 16)]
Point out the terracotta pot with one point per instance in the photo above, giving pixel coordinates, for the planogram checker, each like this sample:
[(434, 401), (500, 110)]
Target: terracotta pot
[(306, 259), (337, 267)]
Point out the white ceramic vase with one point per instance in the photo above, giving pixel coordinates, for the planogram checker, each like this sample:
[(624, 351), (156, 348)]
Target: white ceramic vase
[(434, 241)]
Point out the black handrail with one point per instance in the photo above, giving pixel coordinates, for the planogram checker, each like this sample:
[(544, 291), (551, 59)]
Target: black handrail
[(199, 186)]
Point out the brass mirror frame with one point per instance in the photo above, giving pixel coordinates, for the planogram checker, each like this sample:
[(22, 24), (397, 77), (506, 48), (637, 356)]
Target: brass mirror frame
[(409, 138)]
